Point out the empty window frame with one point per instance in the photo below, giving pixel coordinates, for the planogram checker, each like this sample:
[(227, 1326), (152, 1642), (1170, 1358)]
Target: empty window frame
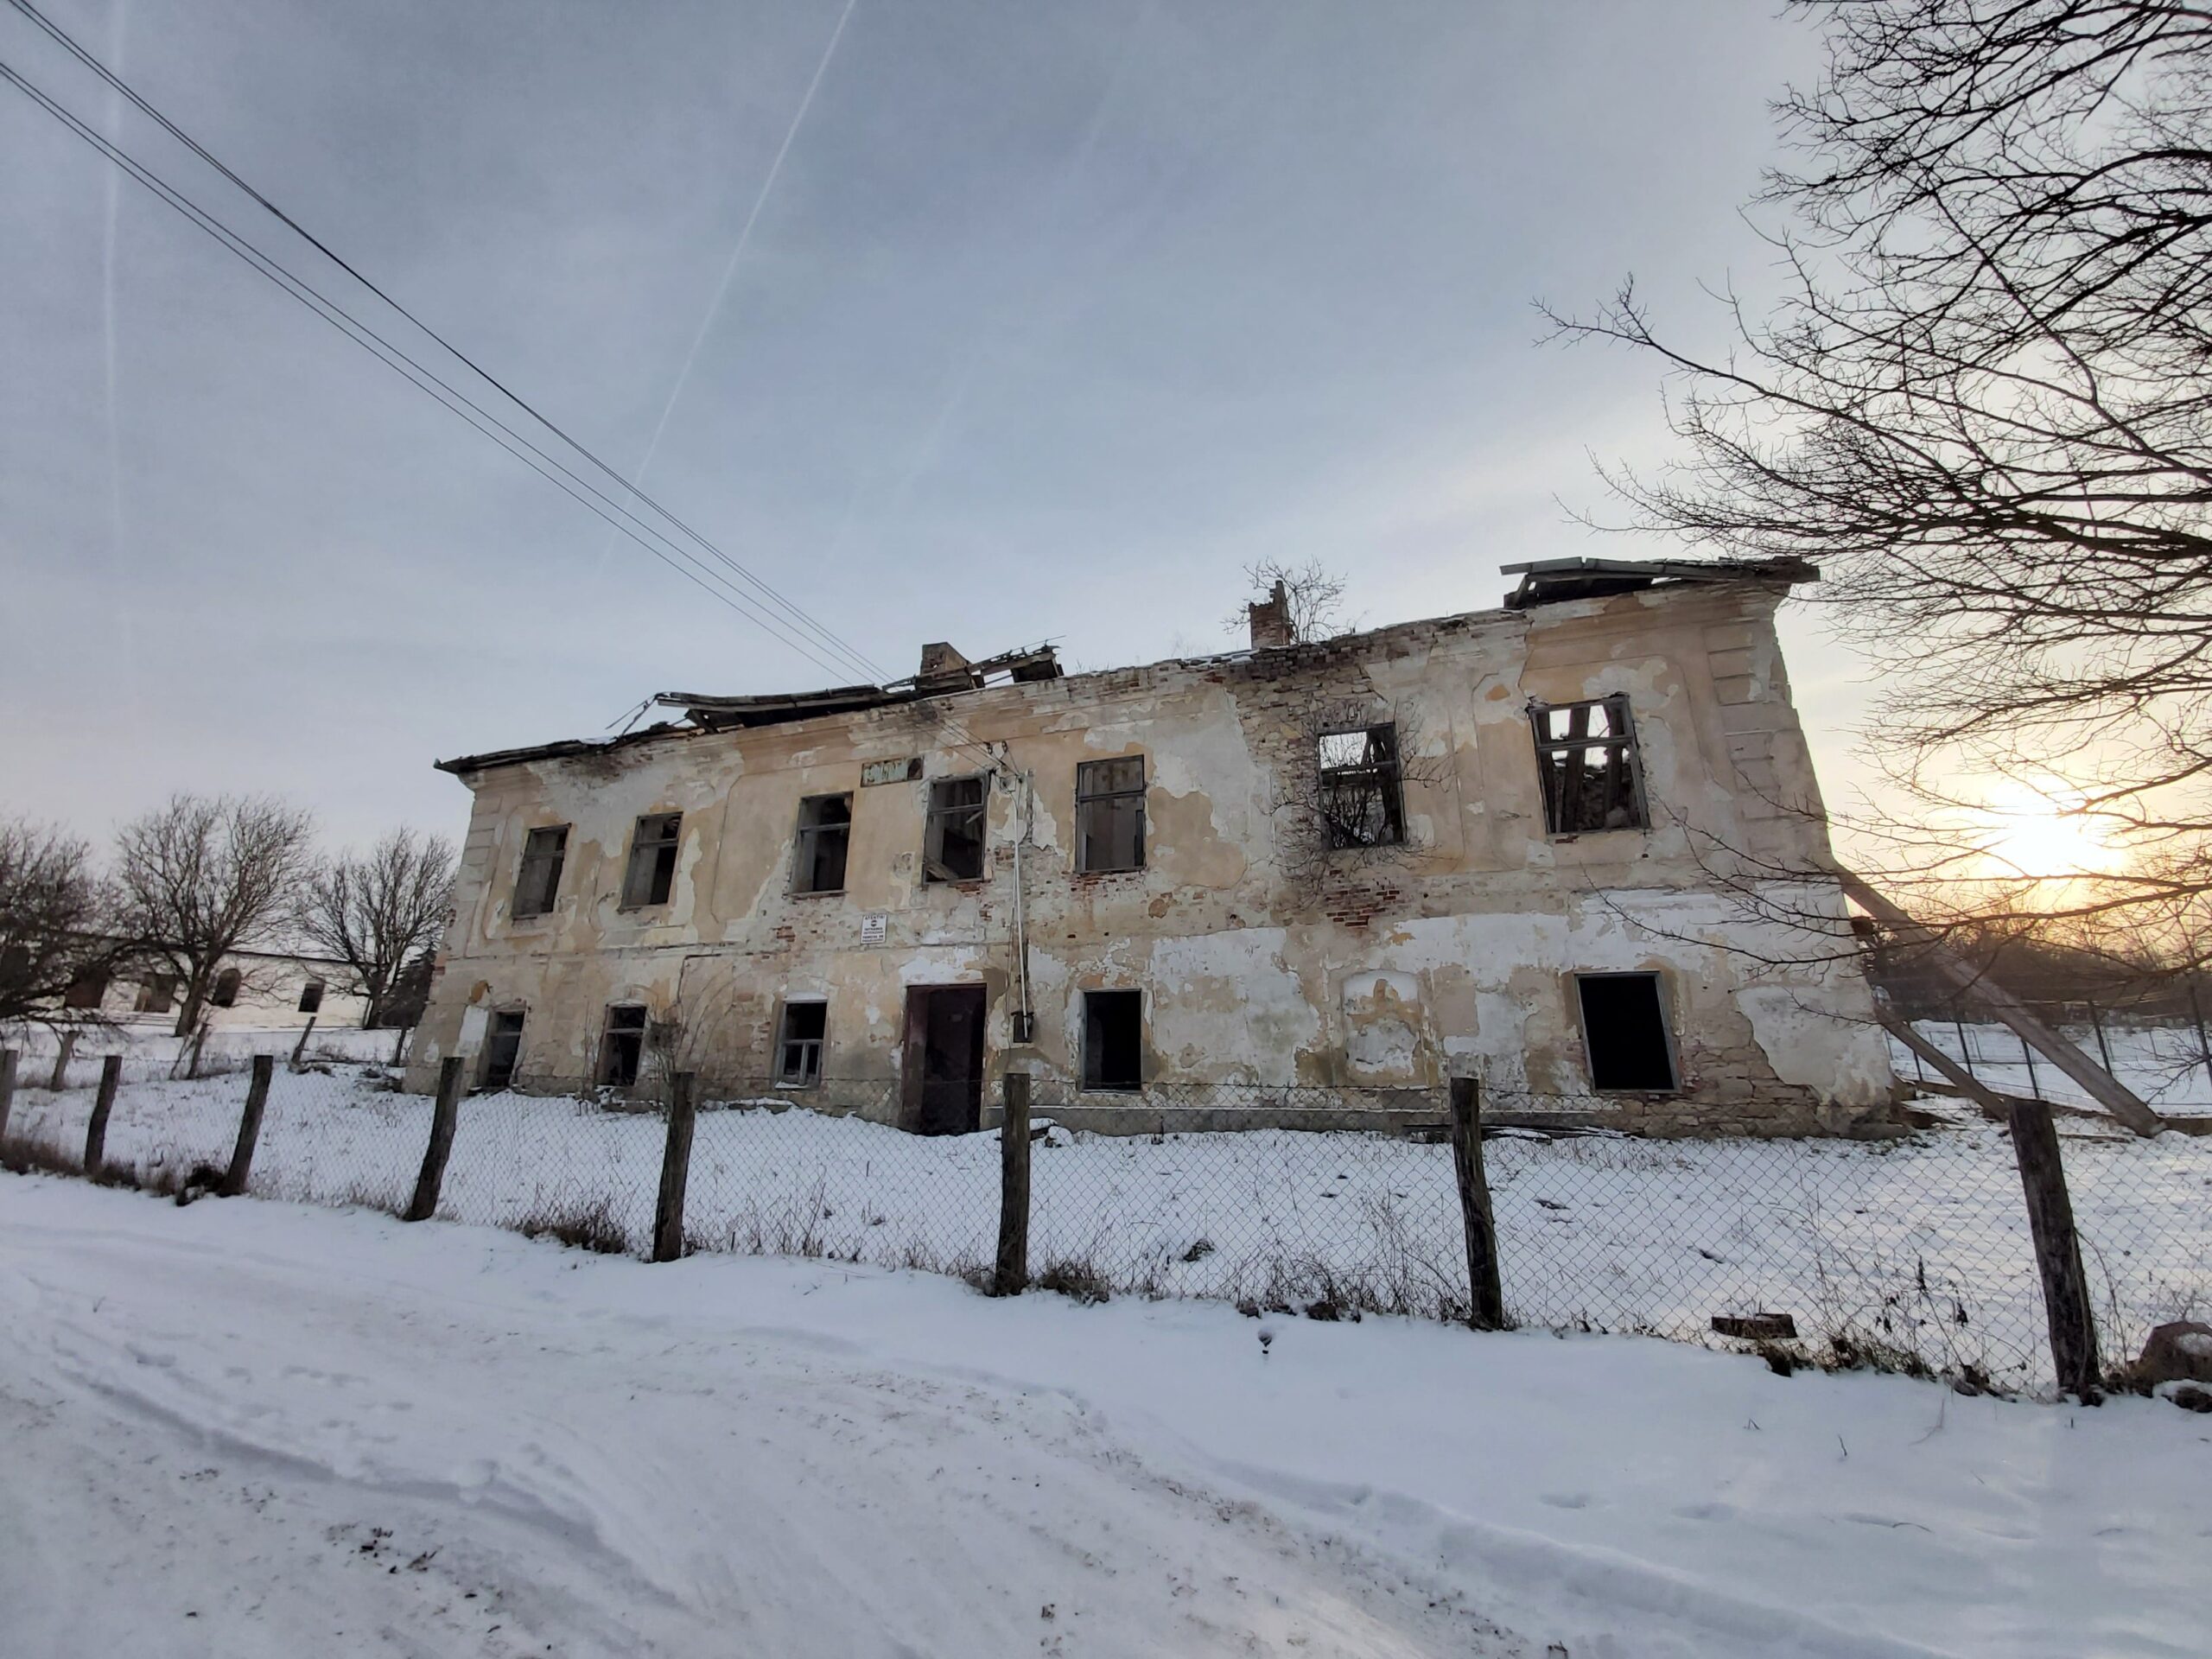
[(1110, 814), (825, 832), (652, 860), (311, 996), (87, 991), (538, 882), (1624, 1032), (1363, 797), (1586, 753), (225, 993), (798, 1044), (622, 1050), (1113, 1040), (155, 995), (502, 1049), (952, 842)]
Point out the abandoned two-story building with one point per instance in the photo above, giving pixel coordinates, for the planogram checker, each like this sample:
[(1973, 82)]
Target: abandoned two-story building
[(1512, 843)]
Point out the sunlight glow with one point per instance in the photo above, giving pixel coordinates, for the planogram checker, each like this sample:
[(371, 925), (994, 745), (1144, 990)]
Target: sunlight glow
[(2043, 830)]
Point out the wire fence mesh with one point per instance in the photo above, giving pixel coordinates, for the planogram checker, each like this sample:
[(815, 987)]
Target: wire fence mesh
[(1913, 1252)]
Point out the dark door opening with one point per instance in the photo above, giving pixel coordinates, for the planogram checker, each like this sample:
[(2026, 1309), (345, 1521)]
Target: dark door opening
[(1624, 1027), (945, 1058)]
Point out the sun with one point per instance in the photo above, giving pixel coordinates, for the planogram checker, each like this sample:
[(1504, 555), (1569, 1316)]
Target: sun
[(2043, 831)]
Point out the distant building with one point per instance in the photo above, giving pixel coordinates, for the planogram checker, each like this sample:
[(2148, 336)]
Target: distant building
[(259, 990), (1500, 842)]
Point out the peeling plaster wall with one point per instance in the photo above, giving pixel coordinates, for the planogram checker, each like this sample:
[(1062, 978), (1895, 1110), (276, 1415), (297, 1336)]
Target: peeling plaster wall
[(1383, 969)]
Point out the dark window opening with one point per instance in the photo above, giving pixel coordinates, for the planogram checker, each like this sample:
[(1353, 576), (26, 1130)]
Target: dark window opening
[(798, 1047), (952, 845), (623, 1046), (1363, 802), (652, 861), (539, 879), (1113, 1040), (502, 1050), (1586, 753), (225, 993), (155, 995), (85, 991), (1110, 814), (825, 830), (1624, 1028), (311, 996)]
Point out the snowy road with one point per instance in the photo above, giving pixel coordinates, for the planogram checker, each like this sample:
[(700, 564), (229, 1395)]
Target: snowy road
[(249, 1428)]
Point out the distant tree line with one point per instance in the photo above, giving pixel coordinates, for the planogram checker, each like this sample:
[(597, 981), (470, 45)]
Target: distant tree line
[(199, 878)]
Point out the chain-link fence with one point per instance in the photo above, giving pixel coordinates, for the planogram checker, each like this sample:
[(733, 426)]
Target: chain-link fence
[(1913, 1252)]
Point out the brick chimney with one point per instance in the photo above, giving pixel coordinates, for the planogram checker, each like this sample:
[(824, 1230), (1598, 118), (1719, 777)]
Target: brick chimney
[(943, 669), (1271, 628)]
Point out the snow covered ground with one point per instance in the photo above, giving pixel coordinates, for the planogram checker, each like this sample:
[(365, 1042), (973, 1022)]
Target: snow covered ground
[(149, 1050), (253, 1428)]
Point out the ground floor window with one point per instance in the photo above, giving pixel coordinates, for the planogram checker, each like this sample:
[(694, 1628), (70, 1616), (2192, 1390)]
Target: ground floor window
[(1113, 1040), (623, 1046), (311, 996), (502, 1048), (798, 1046), (1624, 1030)]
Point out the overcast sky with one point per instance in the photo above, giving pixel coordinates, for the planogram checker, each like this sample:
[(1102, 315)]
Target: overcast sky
[(1054, 317)]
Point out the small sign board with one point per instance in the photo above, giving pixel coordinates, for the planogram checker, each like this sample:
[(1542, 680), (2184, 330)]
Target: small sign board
[(891, 772), (872, 928)]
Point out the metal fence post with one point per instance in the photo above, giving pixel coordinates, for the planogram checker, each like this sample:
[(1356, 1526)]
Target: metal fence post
[(675, 1169), (1012, 1269), (2203, 1044), (7, 1088), (2058, 1248), (257, 1098), (96, 1131), (2035, 1083), (1486, 1305), (445, 1118)]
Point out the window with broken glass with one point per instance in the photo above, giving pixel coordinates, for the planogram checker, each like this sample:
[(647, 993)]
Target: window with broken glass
[(1586, 753), (798, 1046), (1110, 814), (825, 829), (1363, 799), (622, 1050), (652, 860), (540, 879), (952, 845)]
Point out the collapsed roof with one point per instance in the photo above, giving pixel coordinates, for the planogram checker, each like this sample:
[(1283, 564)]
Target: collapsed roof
[(1547, 581)]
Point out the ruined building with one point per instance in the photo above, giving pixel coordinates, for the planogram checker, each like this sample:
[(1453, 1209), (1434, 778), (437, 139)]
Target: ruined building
[(1502, 843)]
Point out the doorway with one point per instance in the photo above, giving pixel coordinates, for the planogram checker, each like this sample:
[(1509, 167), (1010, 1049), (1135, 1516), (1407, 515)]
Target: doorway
[(944, 1071)]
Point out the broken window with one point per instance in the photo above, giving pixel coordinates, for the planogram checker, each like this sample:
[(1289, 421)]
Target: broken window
[(1110, 814), (155, 993), (311, 996), (1113, 1040), (1362, 800), (1624, 1029), (540, 879), (652, 860), (1586, 753), (225, 993), (502, 1049), (952, 845), (87, 991), (798, 1046), (825, 830), (623, 1048)]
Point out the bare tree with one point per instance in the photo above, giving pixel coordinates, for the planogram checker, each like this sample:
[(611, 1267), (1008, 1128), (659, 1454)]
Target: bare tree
[(58, 931), (1315, 594), (1984, 405), (372, 912), (204, 876)]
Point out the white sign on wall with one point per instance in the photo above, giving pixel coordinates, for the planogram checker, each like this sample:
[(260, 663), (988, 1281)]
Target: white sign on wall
[(872, 928)]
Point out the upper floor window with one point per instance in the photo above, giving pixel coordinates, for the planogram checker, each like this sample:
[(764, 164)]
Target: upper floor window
[(1363, 796), (952, 844), (1110, 814), (1586, 754), (825, 830), (311, 996), (652, 860), (540, 879)]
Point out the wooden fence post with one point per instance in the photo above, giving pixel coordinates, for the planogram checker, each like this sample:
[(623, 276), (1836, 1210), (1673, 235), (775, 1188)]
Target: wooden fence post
[(7, 1088), (1013, 1271), (96, 1131), (301, 1047), (675, 1170), (2058, 1248), (445, 1118), (60, 1078), (257, 1098), (1486, 1308)]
